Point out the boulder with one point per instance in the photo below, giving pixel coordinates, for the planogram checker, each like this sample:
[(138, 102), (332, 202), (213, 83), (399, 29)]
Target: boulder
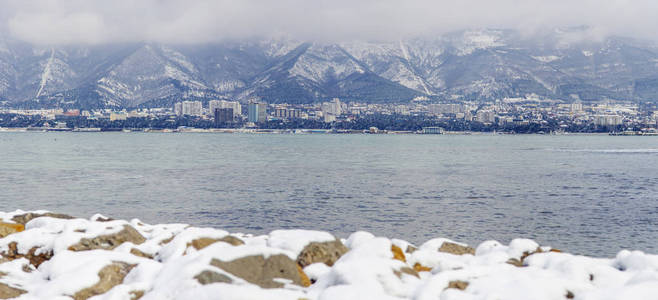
[(420, 268), (8, 292), (406, 270), (397, 253), (201, 243), (24, 218), (110, 241), (208, 277), (457, 284), (456, 249), (262, 271), (31, 255), (110, 276), (9, 228), (140, 253), (325, 252), (411, 249)]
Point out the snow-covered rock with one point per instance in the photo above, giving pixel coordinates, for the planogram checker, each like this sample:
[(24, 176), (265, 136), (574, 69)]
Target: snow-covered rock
[(59, 257)]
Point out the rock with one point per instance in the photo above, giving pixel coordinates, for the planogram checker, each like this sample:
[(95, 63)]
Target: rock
[(457, 284), (456, 249), (201, 243), (110, 241), (110, 276), (167, 240), (569, 295), (24, 218), (35, 259), (520, 262), (411, 249), (136, 295), (406, 270), (9, 228), (306, 282), (137, 252), (208, 277), (8, 292), (262, 271), (515, 262), (397, 253), (325, 252), (420, 268)]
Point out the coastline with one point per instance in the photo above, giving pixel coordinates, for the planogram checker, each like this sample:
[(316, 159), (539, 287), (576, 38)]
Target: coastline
[(288, 131), (48, 255)]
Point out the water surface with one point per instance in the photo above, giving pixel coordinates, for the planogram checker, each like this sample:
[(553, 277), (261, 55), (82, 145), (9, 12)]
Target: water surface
[(591, 195)]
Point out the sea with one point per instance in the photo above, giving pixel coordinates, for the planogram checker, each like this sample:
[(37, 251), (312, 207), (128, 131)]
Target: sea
[(585, 194)]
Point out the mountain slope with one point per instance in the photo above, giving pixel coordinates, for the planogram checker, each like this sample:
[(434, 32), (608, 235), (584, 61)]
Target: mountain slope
[(476, 65)]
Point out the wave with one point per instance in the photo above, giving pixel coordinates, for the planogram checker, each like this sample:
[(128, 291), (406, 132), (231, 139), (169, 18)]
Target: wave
[(632, 151)]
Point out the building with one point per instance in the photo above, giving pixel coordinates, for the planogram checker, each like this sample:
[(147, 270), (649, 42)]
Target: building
[(576, 106), (178, 109), (445, 108), (257, 112), (334, 107), (287, 113), (402, 110), (118, 116), (607, 120), (223, 115), (213, 104), (192, 108), (485, 116), (433, 130)]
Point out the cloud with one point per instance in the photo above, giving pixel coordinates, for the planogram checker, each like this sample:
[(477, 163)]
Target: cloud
[(202, 21)]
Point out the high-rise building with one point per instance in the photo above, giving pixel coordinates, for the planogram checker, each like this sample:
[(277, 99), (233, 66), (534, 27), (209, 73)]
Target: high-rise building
[(212, 105), (333, 108), (223, 115), (192, 108), (257, 112), (178, 108)]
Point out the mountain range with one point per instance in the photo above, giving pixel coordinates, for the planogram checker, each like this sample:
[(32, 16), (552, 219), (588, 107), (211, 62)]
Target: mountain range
[(479, 65)]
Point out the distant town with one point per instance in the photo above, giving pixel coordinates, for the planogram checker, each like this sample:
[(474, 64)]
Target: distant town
[(514, 116)]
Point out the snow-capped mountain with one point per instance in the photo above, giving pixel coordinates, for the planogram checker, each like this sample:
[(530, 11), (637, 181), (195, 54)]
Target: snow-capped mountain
[(475, 65)]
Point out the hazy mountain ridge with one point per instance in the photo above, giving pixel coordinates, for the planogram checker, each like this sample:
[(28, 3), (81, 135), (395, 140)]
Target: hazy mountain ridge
[(477, 64)]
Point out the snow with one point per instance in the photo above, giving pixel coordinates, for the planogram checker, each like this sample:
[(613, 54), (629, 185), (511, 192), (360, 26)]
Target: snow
[(45, 76), (547, 59), (588, 53), (473, 40), (367, 271)]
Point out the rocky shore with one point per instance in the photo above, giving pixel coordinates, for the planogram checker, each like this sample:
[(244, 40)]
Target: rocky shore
[(46, 255)]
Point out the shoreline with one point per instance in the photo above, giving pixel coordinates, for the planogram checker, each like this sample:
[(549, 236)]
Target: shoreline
[(295, 131), (48, 255)]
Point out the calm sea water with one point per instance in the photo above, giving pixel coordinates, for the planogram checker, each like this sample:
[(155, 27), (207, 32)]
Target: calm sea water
[(591, 195)]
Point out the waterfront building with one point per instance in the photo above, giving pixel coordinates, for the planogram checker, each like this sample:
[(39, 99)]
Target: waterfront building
[(192, 108), (212, 106), (334, 107), (118, 116), (485, 116), (607, 120), (433, 130), (223, 115), (257, 112), (178, 109)]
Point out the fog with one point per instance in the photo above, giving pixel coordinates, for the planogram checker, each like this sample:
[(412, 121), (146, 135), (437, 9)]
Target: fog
[(56, 22)]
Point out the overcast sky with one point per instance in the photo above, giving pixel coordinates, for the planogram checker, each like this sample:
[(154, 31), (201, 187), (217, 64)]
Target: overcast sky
[(200, 21)]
